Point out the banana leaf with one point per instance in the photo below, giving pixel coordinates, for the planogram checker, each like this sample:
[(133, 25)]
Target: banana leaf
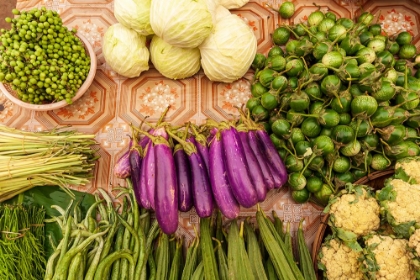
[(45, 196)]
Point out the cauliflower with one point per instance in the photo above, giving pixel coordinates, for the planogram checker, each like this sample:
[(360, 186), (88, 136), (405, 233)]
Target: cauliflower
[(388, 258), (354, 212), (400, 203), (414, 241), (339, 261), (407, 169)]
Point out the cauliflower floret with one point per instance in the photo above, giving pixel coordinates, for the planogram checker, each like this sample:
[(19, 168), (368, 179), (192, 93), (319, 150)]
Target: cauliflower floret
[(414, 241), (400, 203), (391, 258), (355, 210), (407, 169), (339, 261)]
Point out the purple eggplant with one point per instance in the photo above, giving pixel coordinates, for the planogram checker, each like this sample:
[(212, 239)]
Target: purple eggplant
[(273, 158), (237, 168), (144, 141), (122, 167), (254, 143), (202, 146), (253, 165), (147, 178), (183, 171), (166, 196), (160, 131), (135, 166), (201, 188), (222, 191)]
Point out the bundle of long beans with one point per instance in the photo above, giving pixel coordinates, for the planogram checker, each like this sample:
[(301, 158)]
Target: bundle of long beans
[(112, 246), (21, 242), (58, 157)]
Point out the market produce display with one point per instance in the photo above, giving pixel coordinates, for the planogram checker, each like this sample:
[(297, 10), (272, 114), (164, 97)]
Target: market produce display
[(60, 157), (226, 164), (374, 233), (340, 99), (186, 36), (41, 59), (333, 100)]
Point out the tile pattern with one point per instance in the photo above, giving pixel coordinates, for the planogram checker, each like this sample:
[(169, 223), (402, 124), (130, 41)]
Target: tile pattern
[(113, 102)]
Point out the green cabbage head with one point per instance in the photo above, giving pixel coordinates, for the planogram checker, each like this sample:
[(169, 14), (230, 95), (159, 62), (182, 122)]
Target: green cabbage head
[(181, 23), (173, 62), (125, 51), (134, 14), (228, 52)]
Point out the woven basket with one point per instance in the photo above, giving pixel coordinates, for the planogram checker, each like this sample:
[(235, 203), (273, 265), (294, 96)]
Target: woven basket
[(374, 180), (12, 95)]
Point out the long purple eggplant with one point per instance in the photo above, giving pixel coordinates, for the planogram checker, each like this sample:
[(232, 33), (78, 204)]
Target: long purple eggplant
[(274, 161), (166, 196), (254, 167), (202, 150), (147, 178), (202, 146), (254, 143), (183, 172), (202, 192), (122, 166), (237, 168), (222, 190), (135, 166)]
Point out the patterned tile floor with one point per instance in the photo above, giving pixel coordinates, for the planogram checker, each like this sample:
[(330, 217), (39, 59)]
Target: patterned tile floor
[(112, 102)]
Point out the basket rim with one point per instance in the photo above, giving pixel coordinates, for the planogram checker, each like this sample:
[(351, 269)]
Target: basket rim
[(319, 235), (57, 105)]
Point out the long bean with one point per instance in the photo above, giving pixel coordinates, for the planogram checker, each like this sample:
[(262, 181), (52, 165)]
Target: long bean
[(126, 245), (66, 238), (95, 262), (138, 246), (102, 271), (49, 272), (63, 267), (74, 267)]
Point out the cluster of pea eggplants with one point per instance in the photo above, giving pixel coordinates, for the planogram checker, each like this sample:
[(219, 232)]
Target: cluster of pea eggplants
[(225, 165), (339, 99)]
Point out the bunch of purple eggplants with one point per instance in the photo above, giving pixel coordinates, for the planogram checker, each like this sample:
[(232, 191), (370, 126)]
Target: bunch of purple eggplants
[(225, 165)]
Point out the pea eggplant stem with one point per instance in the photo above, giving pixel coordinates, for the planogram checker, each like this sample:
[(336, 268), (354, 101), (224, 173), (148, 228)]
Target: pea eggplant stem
[(222, 190), (202, 192)]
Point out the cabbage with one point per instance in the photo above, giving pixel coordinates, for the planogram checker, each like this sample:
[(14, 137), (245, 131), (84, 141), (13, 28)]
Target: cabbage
[(125, 51), (233, 4), (134, 14), (228, 52), (173, 62), (221, 12), (181, 23)]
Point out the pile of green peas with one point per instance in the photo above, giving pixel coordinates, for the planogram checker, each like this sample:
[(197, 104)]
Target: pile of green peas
[(42, 60)]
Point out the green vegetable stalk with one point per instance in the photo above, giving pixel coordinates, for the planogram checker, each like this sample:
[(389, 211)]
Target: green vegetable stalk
[(21, 242), (59, 158)]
